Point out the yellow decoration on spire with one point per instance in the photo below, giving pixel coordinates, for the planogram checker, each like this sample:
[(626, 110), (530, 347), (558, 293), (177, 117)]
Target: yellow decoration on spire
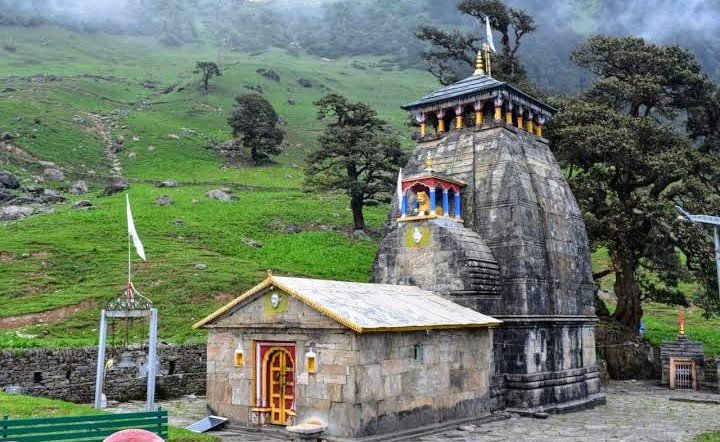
[(479, 64), (429, 164)]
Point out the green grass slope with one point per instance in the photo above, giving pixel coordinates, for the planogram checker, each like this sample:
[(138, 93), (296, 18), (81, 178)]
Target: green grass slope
[(66, 257)]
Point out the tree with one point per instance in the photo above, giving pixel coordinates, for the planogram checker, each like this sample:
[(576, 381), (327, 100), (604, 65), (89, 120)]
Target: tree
[(355, 155), (254, 123), (628, 165), (452, 54), (209, 69)]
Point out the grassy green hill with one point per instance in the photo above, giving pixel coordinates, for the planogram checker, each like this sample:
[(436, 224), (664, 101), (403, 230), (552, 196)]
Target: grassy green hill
[(66, 257), (68, 95)]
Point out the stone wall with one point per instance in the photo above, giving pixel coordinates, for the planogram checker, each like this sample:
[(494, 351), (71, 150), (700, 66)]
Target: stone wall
[(365, 384), (398, 392), (69, 373)]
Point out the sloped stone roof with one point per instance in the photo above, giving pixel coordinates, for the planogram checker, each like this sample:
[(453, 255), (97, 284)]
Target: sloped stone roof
[(366, 307), (462, 88), (476, 85)]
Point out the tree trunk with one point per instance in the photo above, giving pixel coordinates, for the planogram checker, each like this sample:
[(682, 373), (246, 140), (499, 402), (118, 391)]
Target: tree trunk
[(629, 308), (356, 204)]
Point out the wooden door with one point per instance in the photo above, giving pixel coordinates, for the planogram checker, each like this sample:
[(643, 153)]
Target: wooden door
[(280, 376)]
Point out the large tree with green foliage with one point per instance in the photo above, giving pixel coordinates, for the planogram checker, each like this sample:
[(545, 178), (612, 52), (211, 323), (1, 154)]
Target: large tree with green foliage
[(629, 162), (207, 70), (254, 123), (355, 154), (452, 53)]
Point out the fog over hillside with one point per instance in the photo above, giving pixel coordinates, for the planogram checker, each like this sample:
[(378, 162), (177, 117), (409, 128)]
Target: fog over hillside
[(334, 28)]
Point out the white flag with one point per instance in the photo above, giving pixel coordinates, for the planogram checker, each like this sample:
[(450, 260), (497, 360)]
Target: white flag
[(399, 190), (133, 233), (489, 35)]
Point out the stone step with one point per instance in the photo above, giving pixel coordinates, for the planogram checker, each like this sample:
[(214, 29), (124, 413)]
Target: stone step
[(414, 433)]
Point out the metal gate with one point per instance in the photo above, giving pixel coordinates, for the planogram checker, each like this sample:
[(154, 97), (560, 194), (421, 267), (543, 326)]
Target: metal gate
[(682, 373)]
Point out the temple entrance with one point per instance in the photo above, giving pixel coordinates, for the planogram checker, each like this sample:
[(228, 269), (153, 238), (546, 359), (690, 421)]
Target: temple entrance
[(278, 368)]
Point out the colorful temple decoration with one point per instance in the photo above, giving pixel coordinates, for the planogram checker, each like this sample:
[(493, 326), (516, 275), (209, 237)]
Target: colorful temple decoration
[(476, 101), (429, 195)]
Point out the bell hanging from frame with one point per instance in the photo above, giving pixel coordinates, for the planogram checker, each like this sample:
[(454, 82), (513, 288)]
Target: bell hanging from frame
[(127, 360)]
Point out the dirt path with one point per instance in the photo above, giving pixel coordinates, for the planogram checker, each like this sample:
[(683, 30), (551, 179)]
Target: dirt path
[(47, 317), (102, 129)]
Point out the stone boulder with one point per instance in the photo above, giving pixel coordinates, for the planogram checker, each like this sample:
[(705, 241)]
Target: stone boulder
[(304, 82), (115, 187), (53, 174), (251, 243), (11, 213), (169, 183), (269, 74), (219, 194), (5, 196), (78, 188), (8, 180), (82, 205), (626, 354), (164, 201)]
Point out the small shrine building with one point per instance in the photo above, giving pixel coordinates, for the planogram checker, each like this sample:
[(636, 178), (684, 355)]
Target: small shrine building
[(360, 358)]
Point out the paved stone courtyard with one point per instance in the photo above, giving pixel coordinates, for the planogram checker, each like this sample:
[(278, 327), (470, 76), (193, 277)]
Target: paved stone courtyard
[(636, 411)]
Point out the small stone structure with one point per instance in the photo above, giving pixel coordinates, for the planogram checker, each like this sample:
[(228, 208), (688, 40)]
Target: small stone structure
[(360, 358), (69, 373), (686, 354)]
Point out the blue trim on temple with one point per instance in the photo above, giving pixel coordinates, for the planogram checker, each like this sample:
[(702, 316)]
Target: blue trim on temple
[(446, 203), (404, 205), (457, 205), (433, 201)]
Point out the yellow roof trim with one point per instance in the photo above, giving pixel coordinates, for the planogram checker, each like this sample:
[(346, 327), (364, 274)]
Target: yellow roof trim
[(224, 309), (318, 307), (267, 282), (270, 281)]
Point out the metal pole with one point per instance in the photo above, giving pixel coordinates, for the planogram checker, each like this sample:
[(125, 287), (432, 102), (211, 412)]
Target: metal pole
[(717, 255), (152, 360), (129, 260), (100, 372)]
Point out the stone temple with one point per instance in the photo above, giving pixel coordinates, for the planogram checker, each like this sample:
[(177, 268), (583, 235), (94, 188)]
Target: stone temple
[(481, 296), (487, 220)]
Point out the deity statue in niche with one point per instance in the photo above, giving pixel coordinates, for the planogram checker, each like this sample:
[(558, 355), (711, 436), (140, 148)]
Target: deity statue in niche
[(423, 203)]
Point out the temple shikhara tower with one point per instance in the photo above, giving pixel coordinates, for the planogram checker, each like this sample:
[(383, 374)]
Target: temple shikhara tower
[(486, 219)]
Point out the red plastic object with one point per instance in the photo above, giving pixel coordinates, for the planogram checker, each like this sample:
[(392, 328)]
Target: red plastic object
[(133, 436)]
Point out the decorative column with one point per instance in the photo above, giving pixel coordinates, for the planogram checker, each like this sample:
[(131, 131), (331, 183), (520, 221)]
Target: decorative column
[(446, 203), (508, 113), (458, 117), (498, 109), (441, 123), (479, 117), (539, 126), (529, 123), (404, 205), (433, 202), (421, 118), (520, 118), (457, 204)]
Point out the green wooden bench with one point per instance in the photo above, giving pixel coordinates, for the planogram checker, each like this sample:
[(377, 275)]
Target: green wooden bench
[(88, 428)]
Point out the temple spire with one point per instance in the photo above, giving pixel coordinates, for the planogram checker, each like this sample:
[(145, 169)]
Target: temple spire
[(479, 64)]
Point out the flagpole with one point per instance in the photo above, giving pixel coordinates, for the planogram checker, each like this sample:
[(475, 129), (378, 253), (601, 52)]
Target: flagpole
[(129, 260)]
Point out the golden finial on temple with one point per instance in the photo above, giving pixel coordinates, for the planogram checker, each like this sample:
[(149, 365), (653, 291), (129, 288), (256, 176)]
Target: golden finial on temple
[(479, 64)]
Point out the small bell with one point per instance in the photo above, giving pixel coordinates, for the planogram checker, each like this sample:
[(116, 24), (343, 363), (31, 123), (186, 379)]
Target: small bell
[(127, 360)]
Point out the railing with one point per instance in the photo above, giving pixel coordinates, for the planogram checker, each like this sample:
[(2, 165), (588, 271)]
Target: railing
[(88, 428)]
